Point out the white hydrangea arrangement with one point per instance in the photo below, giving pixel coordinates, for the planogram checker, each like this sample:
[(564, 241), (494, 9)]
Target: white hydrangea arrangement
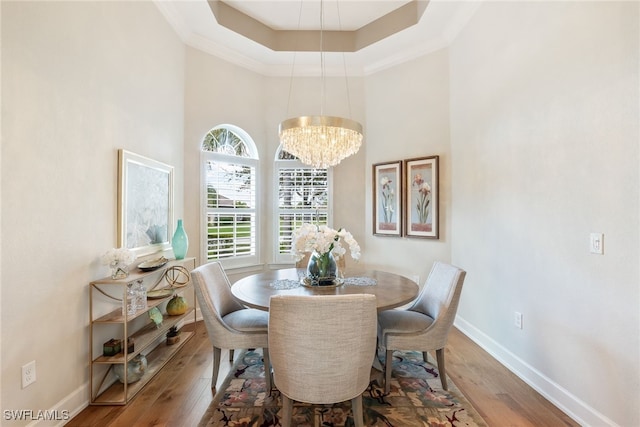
[(116, 256), (323, 239)]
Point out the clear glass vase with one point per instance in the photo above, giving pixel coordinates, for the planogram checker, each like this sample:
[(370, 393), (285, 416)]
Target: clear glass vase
[(322, 269)]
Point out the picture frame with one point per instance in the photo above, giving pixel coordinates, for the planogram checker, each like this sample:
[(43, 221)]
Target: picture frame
[(145, 203), (421, 197), (387, 199)]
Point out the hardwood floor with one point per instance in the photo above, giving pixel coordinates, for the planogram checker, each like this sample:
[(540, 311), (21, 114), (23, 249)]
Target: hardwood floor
[(180, 394)]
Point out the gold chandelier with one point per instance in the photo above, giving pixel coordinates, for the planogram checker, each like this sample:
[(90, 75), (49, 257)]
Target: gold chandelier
[(321, 141)]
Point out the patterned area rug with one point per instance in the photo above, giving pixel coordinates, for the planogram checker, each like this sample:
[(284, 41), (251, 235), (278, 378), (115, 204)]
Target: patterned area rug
[(416, 399)]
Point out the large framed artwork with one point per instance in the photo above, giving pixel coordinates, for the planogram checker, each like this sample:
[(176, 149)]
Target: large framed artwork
[(145, 203), (421, 199), (387, 199)]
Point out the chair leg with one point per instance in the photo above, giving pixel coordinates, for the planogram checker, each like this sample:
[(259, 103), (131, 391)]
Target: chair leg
[(231, 355), (287, 411), (388, 363), (356, 408), (441, 368), (267, 368), (217, 354)]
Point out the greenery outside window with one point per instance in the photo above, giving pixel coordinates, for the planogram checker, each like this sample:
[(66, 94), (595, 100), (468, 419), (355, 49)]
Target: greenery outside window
[(230, 222)]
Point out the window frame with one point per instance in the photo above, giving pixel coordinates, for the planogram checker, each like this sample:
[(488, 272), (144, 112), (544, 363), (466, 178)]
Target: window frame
[(287, 258), (252, 161)]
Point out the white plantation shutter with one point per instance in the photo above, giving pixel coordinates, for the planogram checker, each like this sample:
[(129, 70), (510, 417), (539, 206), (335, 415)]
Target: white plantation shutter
[(303, 196)]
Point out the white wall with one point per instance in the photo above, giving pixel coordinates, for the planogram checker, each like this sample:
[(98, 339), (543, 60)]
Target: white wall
[(216, 92), (408, 117), (544, 137), (79, 81)]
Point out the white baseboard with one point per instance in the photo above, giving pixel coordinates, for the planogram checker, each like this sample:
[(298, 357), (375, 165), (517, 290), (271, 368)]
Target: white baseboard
[(64, 410), (559, 396)]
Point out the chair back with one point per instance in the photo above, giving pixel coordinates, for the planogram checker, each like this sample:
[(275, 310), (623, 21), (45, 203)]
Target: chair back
[(322, 346), (215, 299), (440, 296)]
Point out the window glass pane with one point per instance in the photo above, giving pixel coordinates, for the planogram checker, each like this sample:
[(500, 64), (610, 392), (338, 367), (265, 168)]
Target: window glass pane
[(230, 185), (230, 234), (285, 155), (225, 141), (302, 188)]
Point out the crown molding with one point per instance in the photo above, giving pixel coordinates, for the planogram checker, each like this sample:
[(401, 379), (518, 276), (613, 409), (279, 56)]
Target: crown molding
[(385, 26), (282, 63)]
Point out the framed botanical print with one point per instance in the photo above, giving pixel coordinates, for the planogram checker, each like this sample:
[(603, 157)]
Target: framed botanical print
[(145, 203), (387, 199), (421, 197)]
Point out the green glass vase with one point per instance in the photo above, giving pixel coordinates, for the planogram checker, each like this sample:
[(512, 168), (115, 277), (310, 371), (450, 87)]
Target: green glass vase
[(180, 242)]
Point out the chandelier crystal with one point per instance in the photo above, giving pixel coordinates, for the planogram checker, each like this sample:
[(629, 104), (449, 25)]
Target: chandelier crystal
[(320, 141)]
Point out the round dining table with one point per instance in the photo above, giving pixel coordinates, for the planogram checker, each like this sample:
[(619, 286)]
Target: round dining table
[(391, 290)]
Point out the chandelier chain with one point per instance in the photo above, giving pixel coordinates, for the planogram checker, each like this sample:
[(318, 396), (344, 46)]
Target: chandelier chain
[(322, 65), (293, 65), (344, 65)]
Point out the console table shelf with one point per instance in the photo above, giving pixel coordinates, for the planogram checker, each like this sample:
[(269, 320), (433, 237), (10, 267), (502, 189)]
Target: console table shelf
[(147, 337), (115, 394)]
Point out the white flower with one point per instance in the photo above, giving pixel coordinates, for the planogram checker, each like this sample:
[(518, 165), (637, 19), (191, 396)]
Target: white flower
[(322, 239), (116, 256)]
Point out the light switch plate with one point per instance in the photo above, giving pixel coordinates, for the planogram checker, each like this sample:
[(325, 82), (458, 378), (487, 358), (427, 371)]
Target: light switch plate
[(596, 243)]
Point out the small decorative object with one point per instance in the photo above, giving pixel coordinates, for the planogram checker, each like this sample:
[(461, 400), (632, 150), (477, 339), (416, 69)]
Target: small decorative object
[(180, 241), (160, 293), (177, 276), (130, 303), (156, 316), (111, 347), (135, 369), (325, 246), (131, 345), (153, 264), (141, 295), (177, 306), (173, 336), (118, 260)]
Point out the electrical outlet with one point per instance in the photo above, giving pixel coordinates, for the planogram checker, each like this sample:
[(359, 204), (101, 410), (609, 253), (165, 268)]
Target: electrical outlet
[(517, 320), (29, 374)]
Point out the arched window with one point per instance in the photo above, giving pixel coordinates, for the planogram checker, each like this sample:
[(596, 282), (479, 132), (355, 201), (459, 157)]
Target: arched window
[(303, 196), (229, 171)]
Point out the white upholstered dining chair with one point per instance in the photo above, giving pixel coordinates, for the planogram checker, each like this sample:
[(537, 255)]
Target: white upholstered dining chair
[(425, 325), (229, 324), (322, 348)]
